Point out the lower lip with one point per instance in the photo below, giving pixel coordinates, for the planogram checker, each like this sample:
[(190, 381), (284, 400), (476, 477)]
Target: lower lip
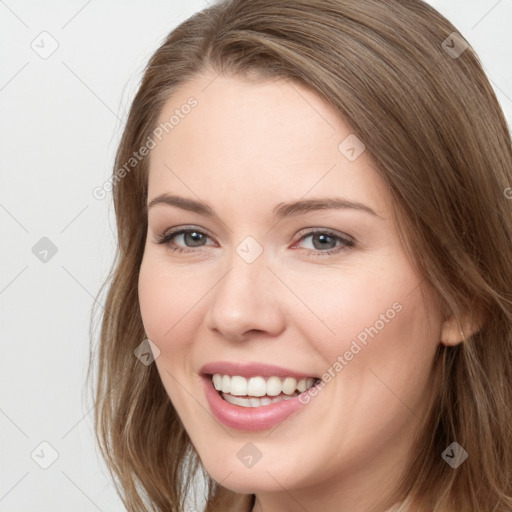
[(248, 418)]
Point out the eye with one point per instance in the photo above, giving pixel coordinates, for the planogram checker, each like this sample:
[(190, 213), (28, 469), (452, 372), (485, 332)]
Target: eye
[(189, 235), (194, 237), (324, 239)]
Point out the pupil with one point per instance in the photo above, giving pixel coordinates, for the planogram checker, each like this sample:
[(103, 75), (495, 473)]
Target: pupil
[(322, 237), (195, 236)]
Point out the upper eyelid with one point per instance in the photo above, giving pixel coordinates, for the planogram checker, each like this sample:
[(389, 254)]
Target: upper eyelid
[(334, 232), (302, 231), (174, 231)]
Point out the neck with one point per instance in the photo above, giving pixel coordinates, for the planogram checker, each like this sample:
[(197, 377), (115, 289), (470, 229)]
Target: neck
[(253, 505)]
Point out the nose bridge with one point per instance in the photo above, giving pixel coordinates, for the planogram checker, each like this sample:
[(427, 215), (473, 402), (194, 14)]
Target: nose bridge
[(248, 268), (245, 298)]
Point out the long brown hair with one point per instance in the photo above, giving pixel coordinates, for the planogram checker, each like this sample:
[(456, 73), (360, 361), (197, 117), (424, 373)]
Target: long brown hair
[(433, 125)]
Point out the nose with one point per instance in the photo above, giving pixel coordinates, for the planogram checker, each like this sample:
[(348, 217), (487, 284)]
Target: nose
[(247, 301)]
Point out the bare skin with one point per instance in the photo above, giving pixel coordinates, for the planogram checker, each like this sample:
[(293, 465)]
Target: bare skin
[(244, 149)]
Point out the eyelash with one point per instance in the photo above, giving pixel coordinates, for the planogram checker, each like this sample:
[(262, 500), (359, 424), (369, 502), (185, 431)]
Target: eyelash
[(167, 238)]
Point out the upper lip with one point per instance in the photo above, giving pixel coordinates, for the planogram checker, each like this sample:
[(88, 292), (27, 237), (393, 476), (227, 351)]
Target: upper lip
[(251, 370)]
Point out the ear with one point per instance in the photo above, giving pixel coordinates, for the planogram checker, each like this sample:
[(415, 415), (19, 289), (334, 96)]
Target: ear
[(456, 330)]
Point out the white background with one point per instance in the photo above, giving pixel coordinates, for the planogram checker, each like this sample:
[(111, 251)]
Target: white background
[(60, 121)]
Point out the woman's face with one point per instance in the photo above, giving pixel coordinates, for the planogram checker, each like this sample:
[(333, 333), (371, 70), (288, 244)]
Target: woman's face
[(318, 292)]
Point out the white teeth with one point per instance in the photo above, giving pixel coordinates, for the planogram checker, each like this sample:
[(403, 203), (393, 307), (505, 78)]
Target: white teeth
[(226, 383), (253, 402), (240, 384), (258, 386), (289, 385), (274, 386), (217, 381)]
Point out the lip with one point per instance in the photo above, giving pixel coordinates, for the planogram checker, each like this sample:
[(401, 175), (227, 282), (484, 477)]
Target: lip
[(249, 418), (251, 370)]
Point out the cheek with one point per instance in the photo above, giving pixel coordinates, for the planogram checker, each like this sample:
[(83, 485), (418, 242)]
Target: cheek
[(346, 304), (379, 362), (154, 298), (169, 301), (169, 304), (373, 321)]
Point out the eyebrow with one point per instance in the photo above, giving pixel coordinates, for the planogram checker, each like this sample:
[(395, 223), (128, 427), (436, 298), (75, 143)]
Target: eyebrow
[(280, 211)]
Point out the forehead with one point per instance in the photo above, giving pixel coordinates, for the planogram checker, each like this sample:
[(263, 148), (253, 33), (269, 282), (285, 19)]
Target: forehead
[(272, 139)]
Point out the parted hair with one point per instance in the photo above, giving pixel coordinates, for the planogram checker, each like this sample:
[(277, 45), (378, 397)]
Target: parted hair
[(432, 124)]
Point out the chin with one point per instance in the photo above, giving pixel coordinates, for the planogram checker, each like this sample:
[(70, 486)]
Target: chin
[(262, 477)]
